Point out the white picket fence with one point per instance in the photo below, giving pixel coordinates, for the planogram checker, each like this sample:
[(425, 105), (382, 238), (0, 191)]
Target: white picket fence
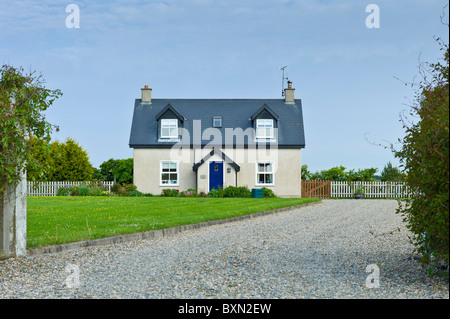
[(51, 188), (371, 189)]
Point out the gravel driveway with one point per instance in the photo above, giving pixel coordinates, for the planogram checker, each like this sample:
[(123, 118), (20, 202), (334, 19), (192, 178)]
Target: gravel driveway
[(316, 251)]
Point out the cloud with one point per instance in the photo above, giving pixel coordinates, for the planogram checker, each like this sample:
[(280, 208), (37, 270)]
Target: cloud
[(27, 16)]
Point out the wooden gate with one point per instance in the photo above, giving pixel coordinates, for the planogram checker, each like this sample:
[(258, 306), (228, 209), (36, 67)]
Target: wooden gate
[(316, 188)]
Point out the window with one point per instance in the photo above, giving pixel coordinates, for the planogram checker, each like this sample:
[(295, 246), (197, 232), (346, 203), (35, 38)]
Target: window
[(264, 173), (169, 173), (264, 128), (169, 128), (217, 121)]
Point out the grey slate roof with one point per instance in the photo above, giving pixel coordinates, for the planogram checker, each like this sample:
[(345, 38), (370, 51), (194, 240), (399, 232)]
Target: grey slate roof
[(235, 113)]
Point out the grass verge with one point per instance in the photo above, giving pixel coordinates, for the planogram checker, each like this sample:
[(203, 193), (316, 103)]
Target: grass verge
[(58, 220)]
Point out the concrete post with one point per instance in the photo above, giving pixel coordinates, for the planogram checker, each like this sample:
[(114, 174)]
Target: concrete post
[(13, 220)]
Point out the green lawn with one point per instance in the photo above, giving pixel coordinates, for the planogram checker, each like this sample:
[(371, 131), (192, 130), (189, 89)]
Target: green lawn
[(57, 220)]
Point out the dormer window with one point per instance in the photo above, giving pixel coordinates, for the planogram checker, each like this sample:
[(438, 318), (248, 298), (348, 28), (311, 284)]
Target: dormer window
[(169, 128), (264, 128), (265, 121), (217, 121), (169, 122)]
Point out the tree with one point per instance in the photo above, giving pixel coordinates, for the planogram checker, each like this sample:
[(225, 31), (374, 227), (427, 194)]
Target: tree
[(363, 175), (306, 174), (106, 170), (424, 156), (23, 98), (339, 173), (40, 153), (66, 161), (56, 162), (124, 171), (391, 173), (118, 170), (333, 174), (70, 162)]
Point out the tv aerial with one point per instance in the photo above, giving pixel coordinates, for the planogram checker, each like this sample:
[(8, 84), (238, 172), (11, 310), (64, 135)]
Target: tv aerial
[(282, 80)]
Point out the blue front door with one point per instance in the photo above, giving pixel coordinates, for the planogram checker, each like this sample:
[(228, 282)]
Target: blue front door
[(215, 175)]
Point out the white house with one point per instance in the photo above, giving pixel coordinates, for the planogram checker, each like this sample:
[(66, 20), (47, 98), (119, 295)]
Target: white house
[(210, 143)]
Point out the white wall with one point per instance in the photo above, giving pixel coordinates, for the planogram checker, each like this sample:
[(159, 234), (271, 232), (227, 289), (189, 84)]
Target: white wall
[(286, 162)]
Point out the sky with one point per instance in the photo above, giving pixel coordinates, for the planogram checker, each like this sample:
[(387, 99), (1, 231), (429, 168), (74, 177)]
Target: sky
[(349, 77)]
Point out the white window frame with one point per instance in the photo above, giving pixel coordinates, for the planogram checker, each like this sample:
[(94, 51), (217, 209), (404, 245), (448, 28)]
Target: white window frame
[(257, 173), (262, 125), (215, 118), (177, 171), (171, 125)]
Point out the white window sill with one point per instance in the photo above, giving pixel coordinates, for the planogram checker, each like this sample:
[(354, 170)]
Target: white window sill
[(265, 139), (169, 139)]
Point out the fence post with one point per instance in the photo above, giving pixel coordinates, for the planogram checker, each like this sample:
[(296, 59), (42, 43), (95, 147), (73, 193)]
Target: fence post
[(13, 220)]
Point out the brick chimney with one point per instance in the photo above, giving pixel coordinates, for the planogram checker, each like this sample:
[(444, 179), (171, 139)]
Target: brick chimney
[(146, 94), (289, 94)]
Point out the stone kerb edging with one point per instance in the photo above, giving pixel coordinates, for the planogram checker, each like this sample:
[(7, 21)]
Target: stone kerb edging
[(152, 233)]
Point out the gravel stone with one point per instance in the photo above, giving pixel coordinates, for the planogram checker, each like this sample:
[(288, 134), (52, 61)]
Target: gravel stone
[(317, 251)]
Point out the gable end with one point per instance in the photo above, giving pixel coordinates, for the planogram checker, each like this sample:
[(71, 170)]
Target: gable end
[(169, 112)]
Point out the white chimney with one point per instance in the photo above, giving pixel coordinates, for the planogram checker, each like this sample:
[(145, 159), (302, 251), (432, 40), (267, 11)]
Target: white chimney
[(146, 94)]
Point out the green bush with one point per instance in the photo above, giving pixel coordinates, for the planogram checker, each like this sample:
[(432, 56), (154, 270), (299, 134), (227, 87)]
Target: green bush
[(424, 157), (241, 192), (129, 187), (62, 191), (74, 191), (96, 191), (84, 190), (170, 192), (124, 190), (213, 193), (189, 193), (268, 193), (116, 188), (135, 193), (231, 191)]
